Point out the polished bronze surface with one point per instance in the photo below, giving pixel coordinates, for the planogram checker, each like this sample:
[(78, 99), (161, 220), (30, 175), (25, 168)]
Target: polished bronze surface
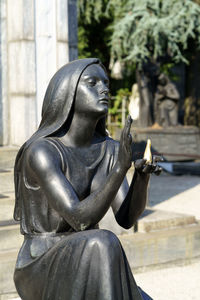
[(67, 175)]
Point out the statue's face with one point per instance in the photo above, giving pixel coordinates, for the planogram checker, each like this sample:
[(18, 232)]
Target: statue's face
[(93, 92), (162, 79)]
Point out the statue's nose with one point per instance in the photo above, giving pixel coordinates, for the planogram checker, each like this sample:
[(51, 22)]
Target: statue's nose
[(105, 90)]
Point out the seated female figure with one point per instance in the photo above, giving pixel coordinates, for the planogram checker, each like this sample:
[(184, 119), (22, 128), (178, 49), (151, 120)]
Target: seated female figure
[(67, 175)]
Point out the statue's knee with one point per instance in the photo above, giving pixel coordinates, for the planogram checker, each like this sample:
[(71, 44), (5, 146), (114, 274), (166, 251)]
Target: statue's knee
[(104, 240)]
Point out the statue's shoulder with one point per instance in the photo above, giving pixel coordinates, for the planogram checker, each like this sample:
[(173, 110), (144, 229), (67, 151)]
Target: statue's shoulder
[(41, 153), (112, 144), (44, 145)]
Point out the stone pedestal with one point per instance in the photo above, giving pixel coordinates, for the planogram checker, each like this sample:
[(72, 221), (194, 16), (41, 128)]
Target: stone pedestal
[(37, 37)]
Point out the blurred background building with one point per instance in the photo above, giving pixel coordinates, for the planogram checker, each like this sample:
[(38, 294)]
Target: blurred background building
[(137, 41), (36, 38)]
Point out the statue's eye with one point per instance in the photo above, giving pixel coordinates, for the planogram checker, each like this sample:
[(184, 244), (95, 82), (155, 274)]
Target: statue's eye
[(106, 81), (91, 81)]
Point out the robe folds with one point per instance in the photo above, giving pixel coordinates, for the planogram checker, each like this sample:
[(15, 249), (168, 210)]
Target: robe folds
[(56, 262)]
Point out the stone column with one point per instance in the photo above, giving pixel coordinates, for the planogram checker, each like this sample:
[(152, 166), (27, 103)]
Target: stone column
[(56, 41), (21, 69), (4, 117), (40, 38)]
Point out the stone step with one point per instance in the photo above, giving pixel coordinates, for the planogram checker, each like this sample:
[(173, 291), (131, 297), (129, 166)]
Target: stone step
[(10, 237), (181, 168), (152, 220), (10, 243), (147, 250), (7, 157), (6, 182), (7, 266), (10, 296), (144, 250), (6, 209)]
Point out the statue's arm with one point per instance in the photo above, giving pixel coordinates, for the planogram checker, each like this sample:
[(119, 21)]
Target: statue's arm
[(44, 166), (172, 91), (130, 202), (160, 93)]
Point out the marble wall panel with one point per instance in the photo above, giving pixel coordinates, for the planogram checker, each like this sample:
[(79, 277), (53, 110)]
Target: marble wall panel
[(21, 64), (20, 19), (4, 111), (62, 20), (62, 54), (23, 118)]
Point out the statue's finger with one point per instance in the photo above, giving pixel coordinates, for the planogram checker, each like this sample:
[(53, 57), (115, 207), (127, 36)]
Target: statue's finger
[(150, 168), (157, 158), (139, 163), (123, 133), (130, 119), (147, 169), (158, 170), (128, 125), (153, 168), (130, 139)]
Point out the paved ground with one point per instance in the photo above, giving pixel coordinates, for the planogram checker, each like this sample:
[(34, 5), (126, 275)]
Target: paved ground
[(172, 283), (179, 194)]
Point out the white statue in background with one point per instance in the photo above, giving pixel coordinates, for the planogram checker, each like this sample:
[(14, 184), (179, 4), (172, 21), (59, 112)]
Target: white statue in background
[(133, 107)]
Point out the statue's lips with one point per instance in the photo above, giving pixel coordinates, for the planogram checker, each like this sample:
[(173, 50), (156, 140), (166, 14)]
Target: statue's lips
[(104, 100)]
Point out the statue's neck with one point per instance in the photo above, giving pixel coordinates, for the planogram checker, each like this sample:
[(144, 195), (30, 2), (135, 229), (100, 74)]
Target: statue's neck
[(81, 132)]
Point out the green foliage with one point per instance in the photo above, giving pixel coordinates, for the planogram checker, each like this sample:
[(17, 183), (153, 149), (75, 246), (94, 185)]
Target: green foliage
[(92, 10), (167, 69), (116, 108), (152, 28), (190, 112), (147, 28), (121, 94), (94, 31), (134, 31)]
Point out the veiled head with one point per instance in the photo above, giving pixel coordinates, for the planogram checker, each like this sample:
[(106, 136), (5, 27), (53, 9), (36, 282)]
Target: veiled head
[(92, 93), (61, 95)]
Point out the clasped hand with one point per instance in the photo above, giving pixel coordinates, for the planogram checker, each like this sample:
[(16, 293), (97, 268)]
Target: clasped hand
[(125, 154)]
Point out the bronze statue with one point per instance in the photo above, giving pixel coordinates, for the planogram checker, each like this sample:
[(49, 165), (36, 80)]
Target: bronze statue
[(67, 175), (166, 102)]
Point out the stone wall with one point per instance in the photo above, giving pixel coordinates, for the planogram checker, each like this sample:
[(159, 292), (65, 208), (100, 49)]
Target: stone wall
[(37, 38), (3, 75)]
